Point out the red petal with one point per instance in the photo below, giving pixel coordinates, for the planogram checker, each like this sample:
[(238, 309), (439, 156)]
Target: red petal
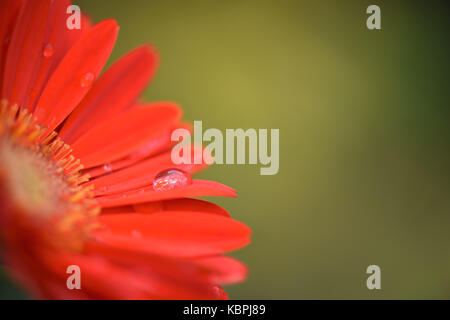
[(115, 91), (173, 233), (64, 90), (9, 11), (61, 39), (40, 23), (219, 293), (120, 209), (125, 132), (157, 145), (194, 205), (75, 34), (222, 269), (198, 188), (160, 277), (141, 174), (119, 284)]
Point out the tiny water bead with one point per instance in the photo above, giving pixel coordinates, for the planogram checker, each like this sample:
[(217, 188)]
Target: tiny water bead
[(87, 79), (107, 167), (48, 50), (171, 179)]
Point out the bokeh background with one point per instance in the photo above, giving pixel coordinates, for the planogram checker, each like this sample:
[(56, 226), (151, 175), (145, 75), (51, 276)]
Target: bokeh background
[(364, 133)]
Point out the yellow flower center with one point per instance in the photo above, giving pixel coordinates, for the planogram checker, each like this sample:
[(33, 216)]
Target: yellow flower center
[(42, 179)]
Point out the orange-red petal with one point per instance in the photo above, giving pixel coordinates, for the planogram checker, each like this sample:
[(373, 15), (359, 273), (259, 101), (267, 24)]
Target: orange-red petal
[(156, 145), (125, 132), (25, 54), (181, 234), (72, 78), (160, 277), (223, 269), (198, 188), (57, 45), (115, 91), (142, 174), (9, 11), (193, 205)]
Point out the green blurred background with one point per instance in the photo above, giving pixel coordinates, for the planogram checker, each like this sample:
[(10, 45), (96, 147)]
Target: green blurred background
[(364, 133)]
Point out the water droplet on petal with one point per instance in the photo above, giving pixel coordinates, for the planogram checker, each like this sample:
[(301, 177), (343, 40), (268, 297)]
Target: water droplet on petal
[(107, 167), (171, 179), (87, 79), (48, 50), (103, 189)]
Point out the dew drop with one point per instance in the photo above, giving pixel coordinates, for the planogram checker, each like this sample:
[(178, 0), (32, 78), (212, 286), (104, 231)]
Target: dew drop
[(87, 79), (107, 167), (104, 189), (171, 179), (48, 50)]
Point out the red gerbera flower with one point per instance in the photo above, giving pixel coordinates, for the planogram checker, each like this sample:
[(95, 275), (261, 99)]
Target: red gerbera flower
[(86, 176)]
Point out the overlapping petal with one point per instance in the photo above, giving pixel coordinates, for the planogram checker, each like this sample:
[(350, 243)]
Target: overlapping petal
[(117, 89), (75, 74), (125, 132), (192, 205), (142, 173), (181, 234), (198, 188), (147, 243)]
